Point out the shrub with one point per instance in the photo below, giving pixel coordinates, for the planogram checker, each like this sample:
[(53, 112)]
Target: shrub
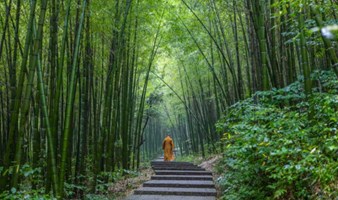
[(281, 145)]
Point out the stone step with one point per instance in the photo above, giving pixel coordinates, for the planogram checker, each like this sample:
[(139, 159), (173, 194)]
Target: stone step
[(179, 184), (158, 160), (179, 168), (181, 177), (181, 172), (176, 191), (172, 162), (168, 197)]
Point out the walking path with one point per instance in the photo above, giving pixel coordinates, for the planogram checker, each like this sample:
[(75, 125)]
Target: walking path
[(176, 181)]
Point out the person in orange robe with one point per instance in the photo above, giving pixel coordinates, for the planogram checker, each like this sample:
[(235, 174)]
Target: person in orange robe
[(168, 147)]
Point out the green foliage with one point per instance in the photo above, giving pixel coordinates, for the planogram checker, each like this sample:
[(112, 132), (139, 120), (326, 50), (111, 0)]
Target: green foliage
[(196, 159), (13, 194), (70, 189), (107, 179), (30, 176), (280, 145), (97, 197)]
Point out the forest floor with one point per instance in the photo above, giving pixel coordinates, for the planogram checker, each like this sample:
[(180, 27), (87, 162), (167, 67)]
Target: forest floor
[(125, 187), (209, 164)]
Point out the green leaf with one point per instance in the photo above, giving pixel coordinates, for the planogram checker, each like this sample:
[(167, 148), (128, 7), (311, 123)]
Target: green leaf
[(13, 190)]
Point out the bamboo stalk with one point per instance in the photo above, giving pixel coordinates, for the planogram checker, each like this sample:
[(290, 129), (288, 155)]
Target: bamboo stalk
[(69, 105)]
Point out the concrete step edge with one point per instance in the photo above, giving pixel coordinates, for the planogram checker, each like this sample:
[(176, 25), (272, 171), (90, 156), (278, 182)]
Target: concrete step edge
[(168, 197), (177, 191), (178, 168), (181, 177), (177, 185), (179, 172)]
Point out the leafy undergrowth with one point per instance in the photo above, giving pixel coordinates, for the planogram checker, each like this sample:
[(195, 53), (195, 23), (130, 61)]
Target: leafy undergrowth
[(124, 186), (110, 186), (281, 145), (129, 185)]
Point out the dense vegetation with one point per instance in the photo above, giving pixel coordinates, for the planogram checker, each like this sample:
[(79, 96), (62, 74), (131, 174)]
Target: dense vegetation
[(280, 145), (88, 89)]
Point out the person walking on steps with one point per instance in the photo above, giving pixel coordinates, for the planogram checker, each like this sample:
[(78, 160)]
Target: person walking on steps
[(168, 147)]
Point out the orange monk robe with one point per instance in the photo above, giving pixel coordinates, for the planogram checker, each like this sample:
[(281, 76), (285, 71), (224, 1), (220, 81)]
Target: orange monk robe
[(168, 147)]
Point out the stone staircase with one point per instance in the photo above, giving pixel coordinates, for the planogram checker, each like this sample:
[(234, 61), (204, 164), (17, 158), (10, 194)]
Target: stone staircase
[(176, 181)]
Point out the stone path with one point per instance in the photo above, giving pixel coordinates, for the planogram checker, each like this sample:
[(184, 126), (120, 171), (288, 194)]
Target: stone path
[(176, 181)]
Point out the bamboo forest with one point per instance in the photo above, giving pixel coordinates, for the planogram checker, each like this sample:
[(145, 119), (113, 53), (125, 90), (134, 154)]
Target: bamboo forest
[(89, 89)]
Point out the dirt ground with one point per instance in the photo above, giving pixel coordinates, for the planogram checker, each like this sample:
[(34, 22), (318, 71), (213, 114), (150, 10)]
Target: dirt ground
[(125, 187), (209, 165)]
